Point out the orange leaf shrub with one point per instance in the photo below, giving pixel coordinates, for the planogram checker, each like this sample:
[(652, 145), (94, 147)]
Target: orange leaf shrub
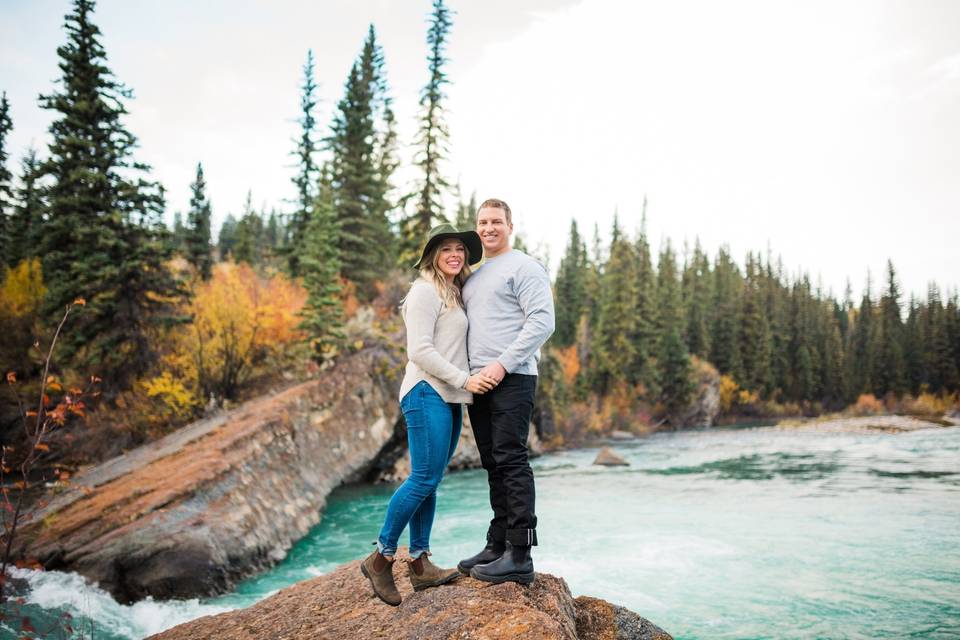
[(244, 325), (728, 393), (569, 363), (867, 404)]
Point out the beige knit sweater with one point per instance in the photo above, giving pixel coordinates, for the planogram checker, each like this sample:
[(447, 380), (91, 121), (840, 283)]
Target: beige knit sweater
[(436, 344)]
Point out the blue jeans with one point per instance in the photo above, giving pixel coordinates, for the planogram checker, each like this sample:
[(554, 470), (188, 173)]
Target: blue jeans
[(433, 430)]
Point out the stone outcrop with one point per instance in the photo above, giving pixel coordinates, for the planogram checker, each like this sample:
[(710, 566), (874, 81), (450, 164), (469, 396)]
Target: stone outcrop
[(607, 457), (193, 513), (704, 405), (341, 605)]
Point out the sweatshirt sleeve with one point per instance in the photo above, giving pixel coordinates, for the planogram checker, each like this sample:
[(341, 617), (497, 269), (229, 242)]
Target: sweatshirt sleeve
[(422, 309), (532, 288)]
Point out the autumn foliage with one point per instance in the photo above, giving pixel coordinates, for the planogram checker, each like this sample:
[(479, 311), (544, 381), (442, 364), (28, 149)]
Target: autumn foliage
[(243, 325)]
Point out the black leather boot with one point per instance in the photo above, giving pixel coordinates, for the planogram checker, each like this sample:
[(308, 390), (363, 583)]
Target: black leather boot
[(515, 565), (491, 552)]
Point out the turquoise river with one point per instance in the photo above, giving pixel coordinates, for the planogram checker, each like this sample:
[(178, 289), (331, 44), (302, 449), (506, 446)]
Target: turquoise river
[(723, 533)]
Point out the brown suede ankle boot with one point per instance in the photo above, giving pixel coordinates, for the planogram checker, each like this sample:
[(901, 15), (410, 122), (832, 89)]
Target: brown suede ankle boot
[(424, 574), (382, 581)]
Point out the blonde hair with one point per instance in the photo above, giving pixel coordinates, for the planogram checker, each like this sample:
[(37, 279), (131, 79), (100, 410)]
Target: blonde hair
[(430, 271)]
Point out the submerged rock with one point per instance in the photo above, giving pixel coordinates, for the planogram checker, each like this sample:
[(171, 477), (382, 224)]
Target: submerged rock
[(341, 605), (610, 458), (617, 434), (191, 514)]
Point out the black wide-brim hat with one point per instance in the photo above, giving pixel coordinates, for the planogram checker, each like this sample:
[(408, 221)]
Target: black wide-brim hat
[(441, 232)]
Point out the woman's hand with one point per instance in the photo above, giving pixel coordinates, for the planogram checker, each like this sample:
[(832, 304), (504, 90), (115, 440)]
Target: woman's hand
[(479, 383)]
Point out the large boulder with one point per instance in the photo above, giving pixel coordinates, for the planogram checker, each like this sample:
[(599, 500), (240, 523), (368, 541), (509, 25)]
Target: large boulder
[(704, 405), (191, 514), (341, 605), (607, 457)]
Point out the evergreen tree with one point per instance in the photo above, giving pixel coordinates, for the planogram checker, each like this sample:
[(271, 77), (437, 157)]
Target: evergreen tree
[(755, 341), (696, 296), (105, 239), (26, 223), (614, 351), (645, 336), (466, 219), (890, 365), (248, 245), (227, 237), (273, 232), (570, 287), (951, 324), (386, 160), (775, 292), (676, 377), (306, 177), (724, 338), (322, 314), (197, 236), (834, 378), (366, 241), (432, 141), (669, 301), (6, 178), (805, 356), (940, 364), (178, 240), (860, 355), (915, 336)]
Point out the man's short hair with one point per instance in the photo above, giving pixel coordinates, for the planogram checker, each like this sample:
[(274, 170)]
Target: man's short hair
[(494, 203)]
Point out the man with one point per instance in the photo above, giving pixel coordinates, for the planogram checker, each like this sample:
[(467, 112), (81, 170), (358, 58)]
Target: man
[(510, 308)]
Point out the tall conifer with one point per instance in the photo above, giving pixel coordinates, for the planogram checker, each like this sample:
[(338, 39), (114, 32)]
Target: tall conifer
[(614, 350), (360, 188), (432, 140), (26, 221), (306, 178), (890, 366), (6, 189), (322, 314), (105, 239), (198, 249), (570, 287)]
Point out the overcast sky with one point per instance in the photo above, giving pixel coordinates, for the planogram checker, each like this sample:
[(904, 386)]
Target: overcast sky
[(828, 131)]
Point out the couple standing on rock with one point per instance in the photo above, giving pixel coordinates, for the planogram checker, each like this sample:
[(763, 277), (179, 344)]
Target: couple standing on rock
[(508, 306)]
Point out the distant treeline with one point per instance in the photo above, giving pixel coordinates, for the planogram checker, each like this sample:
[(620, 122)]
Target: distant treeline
[(775, 337), (85, 220)]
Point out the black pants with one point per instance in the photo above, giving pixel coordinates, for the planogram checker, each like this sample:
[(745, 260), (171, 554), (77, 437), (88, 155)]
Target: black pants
[(501, 423)]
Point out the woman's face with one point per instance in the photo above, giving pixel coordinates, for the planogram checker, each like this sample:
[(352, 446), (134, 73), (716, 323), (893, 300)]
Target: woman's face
[(451, 256)]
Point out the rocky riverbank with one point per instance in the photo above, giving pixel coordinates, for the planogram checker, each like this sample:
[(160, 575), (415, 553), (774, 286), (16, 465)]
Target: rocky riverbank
[(191, 514), (867, 424), (341, 605)]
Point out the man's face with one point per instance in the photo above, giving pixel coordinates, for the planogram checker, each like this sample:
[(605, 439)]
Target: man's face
[(494, 230)]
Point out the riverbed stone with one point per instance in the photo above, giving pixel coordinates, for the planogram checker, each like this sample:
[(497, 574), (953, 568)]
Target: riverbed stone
[(221, 499), (607, 457), (342, 605)]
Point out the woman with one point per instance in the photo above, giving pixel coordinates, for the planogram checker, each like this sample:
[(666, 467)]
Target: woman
[(437, 381)]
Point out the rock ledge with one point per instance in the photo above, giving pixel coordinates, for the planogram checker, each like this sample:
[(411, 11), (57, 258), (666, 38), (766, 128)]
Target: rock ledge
[(340, 605)]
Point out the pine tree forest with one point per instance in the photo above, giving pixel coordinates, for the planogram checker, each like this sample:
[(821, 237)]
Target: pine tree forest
[(172, 322)]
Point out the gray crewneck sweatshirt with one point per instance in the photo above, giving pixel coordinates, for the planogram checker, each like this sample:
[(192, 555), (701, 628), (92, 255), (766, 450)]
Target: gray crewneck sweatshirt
[(510, 308)]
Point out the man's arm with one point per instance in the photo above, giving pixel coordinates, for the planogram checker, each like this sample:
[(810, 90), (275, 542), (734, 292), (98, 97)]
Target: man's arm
[(536, 301)]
